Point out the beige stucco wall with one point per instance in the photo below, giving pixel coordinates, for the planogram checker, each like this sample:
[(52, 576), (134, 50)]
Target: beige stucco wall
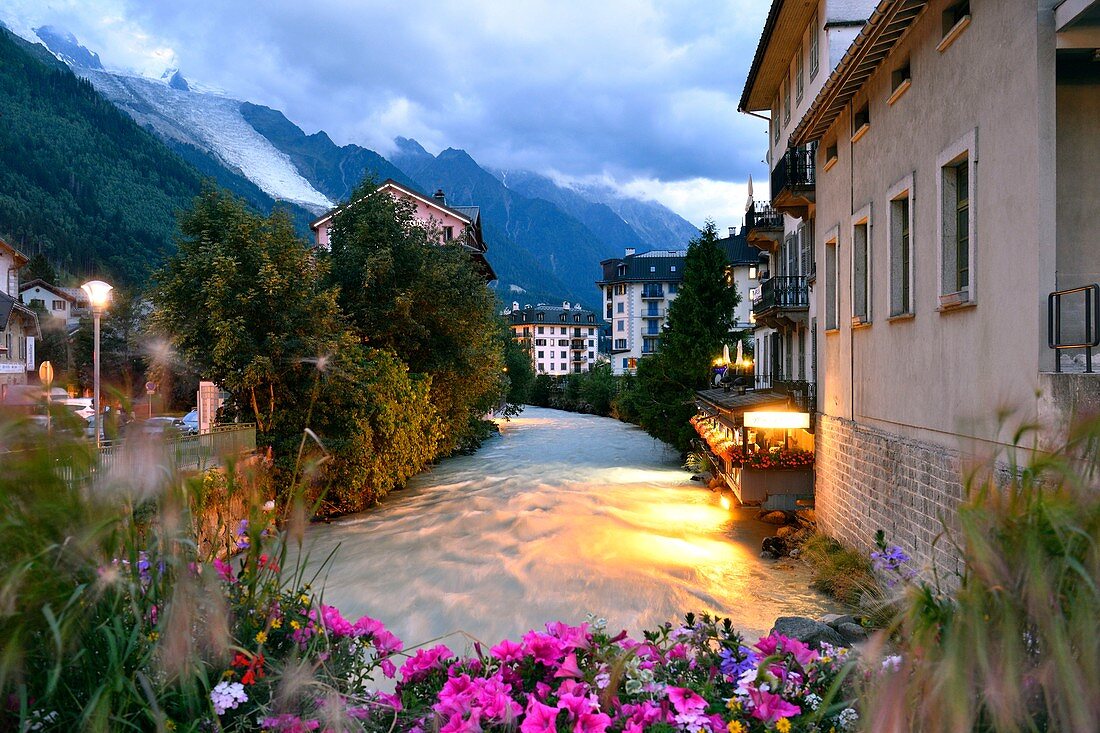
[(940, 376), (1078, 184)]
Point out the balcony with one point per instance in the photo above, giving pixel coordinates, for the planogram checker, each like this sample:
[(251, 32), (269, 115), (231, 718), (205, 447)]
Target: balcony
[(764, 227), (781, 301), (654, 313), (793, 181), (578, 345), (652, 292)]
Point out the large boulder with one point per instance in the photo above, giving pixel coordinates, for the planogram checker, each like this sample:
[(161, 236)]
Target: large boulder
[(808, 631), (806, 517), (775, 517), (773, 548)]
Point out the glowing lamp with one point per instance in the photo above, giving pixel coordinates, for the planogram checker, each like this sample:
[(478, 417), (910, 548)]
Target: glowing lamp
[(752, 272), (777, 420), (98, 293)]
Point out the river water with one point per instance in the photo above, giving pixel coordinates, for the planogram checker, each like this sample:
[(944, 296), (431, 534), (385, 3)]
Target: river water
[(560, 516)]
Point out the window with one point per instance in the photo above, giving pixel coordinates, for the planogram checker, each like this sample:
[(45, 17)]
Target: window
[(901, 249), (956, 19), (861, 269), (620, 343), (620, 307), (564, 355), (673, 268), (591, 356), (798, 80), (786, 101), (38, 302), (541, 355), (900, 81), (632, 363), (652, 268), (626, 363), (448, 233), (620, 290), (956, 225), (830, 156), (541, 329), (806, 248), (775, 122), (563, 342), (861, 121), (620, 326), (59, 305), (814, 49), (540, 342), (591, 331), (831, 290), (610, 290), (540, 316), (673, 287), (563, 318)]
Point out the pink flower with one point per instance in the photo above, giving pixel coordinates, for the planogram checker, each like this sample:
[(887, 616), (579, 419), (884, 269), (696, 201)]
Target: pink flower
[(507, 651), (802, 653), (539, 718), (576, 703), (424, 661), (685, 700), (544, 648), (336, 624), (388, 668), (592, 723), (224, 569), (769, 707), (458, 724), (569, 667), (572, 637)]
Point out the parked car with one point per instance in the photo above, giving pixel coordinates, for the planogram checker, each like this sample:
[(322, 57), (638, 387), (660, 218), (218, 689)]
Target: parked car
[(191, 421), (82, 406), (167, 427)]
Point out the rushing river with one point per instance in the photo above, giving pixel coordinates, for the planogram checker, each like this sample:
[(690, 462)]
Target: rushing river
[(560, 516)]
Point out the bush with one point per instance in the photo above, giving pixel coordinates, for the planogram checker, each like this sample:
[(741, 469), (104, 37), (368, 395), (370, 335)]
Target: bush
[(842, 573)]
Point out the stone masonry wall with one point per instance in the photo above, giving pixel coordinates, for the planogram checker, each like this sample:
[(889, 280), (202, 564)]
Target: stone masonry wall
[(869, 480)]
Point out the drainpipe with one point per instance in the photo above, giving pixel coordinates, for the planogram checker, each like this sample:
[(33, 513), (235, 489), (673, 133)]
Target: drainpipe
[(851, 210)]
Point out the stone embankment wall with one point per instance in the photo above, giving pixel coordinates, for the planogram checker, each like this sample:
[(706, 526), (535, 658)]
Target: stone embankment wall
[(869, 480)]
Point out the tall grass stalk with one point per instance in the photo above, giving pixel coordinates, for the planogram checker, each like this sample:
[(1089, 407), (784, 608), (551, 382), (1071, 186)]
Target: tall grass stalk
[(1016, 645)]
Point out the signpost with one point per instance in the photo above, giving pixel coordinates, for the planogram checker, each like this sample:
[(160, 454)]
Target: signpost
[(45, 375), (150, 390)]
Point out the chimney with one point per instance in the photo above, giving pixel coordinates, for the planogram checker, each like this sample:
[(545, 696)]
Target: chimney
[(439, 196), (565, 305), (515, 305), (733, 231), (629, 251)]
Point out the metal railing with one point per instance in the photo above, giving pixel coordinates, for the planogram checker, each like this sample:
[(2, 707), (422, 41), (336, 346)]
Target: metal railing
[(653, 313), (185, 453), (1091, 335), (795, 170), (786, 291), (762, 216), (653, 291)]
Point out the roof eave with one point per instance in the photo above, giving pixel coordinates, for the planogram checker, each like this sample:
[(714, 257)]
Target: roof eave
[(758, 57)]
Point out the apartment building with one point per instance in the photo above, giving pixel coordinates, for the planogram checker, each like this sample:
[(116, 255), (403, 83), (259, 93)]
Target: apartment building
[(639, 287), (449, 222), (18, 323), (800, 45), (957, 155), (63, 305), (560, 339)]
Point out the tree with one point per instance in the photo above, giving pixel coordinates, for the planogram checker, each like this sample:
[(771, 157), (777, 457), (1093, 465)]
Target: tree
[(404, 291), (598, 389), (39, 268), (521, 376), (242, 301), (699, 321)]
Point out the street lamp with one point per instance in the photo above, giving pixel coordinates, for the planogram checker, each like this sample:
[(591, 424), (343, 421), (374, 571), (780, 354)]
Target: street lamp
[(98, 294)]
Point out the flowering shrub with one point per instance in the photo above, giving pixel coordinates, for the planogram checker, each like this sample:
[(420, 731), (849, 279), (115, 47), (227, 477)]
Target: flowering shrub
[(780, 459)]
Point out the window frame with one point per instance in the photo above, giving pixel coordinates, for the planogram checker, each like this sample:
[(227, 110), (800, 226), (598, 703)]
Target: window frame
[(832, 281), (815, 46), (902, 304), (862, 218), (947, 235)]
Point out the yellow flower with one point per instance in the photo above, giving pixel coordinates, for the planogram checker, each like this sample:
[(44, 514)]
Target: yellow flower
[(277, 623), (261, 637), (733, 704), (783, 725), (169, 725), (153, 636), (735, 726), (295, 625), (228, 674), (303, 599)]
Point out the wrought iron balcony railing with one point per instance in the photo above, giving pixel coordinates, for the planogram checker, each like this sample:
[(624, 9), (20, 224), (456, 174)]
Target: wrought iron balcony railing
[(796, 171), (788, 292)]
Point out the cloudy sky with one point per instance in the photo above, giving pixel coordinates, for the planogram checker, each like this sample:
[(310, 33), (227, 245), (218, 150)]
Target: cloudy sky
[(638, 93)]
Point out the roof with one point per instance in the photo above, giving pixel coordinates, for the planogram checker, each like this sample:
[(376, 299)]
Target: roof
[(657, 265), (779, 41), (732, 401), (73, 295), (552, 314), (469, 216), (888, 24), (9, 305), (15, 253)]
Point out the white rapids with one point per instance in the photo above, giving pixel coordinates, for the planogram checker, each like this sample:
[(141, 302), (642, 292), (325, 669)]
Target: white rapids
[(561, 516)]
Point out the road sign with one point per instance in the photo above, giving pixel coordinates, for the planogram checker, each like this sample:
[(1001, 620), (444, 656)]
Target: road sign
[(150, 387), (45, 373)]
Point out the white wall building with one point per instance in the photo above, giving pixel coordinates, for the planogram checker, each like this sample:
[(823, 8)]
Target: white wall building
[(64, 305), (802, 42), (638, 289), (957, 156), (18, 323), (560, 339)]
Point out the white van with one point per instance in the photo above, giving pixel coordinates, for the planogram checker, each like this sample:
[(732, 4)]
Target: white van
[(82, 406)]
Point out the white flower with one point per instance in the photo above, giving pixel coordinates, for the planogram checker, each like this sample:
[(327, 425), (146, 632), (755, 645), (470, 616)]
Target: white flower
[(269, 505), (812, 701), (603, 679), (847, 718), (227, 696), (891, 663)]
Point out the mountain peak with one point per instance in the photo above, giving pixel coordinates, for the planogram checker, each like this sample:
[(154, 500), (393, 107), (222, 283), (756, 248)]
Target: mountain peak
[(66, 47), (408, 146), (175, 79)]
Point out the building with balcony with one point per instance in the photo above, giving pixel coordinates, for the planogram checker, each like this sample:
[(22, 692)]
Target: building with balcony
[(800, 45), (639, 288), (561, 339), (447, 222), (955, 279), (18, 324), (63, 305)]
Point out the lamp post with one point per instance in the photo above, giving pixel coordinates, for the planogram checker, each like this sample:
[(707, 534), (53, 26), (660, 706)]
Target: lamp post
[(98, 293)]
